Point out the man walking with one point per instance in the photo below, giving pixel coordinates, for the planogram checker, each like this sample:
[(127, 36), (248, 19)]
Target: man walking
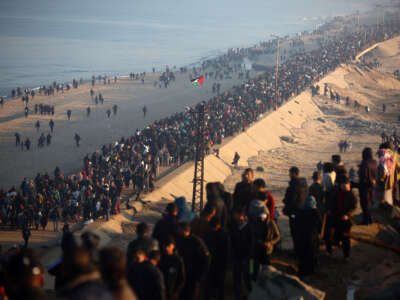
[(295, 197)]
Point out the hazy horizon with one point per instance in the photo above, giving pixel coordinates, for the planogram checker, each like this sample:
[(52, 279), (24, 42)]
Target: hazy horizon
[(50, 40)]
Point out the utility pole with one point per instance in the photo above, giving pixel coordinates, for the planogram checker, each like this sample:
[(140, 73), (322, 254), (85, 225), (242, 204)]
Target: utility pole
[(276, 72), (198, 177)]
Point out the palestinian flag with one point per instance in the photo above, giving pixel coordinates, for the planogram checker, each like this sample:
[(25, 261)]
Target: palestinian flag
[(197, 81)]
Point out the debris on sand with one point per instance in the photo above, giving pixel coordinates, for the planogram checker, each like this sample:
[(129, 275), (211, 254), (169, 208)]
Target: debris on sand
[(287, 139), (274, 284), (357, 124)]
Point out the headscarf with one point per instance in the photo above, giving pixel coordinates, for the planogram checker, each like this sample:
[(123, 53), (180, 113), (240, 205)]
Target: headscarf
[(386, 160), (184, 214)]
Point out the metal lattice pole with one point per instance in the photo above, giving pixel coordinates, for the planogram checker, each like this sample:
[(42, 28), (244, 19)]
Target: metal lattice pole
[(198, 178)]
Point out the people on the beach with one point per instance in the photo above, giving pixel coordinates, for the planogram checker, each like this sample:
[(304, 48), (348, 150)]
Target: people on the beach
[(77, 139), (51, 125)]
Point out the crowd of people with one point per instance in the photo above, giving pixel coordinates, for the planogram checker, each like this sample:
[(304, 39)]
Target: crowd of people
[(188, 256), (188, 253), (136, 160)]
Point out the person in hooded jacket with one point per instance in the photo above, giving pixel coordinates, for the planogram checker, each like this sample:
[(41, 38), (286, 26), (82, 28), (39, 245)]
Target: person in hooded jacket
[(241, 240), (226, 196), (265, 236), (308, 226), (184, 214), (173, 269), (214, 198)]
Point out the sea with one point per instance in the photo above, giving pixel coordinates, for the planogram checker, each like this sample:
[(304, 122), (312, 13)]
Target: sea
[(42, 41)]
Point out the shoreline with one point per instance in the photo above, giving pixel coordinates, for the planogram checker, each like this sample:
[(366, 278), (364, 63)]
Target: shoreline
[(203, 58)]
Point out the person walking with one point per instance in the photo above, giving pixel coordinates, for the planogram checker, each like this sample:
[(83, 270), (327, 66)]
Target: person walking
[(37, 125), (144, 111), (77, 139), (341, 205), (295, 197), (367, 174), (51, 125), (26, 233)]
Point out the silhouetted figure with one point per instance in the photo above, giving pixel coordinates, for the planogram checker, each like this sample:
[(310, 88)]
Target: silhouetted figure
[(17, 139), (27, 144), (77, 139), (144, 111), (37, 125), (51, 125)]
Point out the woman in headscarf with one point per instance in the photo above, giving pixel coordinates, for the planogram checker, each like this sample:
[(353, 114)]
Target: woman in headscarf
[(184, 214), (308, 226)]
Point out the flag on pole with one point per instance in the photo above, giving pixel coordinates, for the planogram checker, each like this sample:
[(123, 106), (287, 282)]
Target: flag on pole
[(198, 81)]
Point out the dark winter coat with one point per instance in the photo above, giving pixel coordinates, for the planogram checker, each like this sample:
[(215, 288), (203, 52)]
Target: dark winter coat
[(221, 212), (266, 231), (241, 241), (295, 195), (308, 225), (317, 191), (173, 270), (367, 174), (243, 194), (349, 203), (86, 287), (218, 245), (147, 281), (167, 226), (195, 255)]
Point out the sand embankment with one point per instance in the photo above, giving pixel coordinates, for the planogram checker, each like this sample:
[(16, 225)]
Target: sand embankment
[(262, 136)]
